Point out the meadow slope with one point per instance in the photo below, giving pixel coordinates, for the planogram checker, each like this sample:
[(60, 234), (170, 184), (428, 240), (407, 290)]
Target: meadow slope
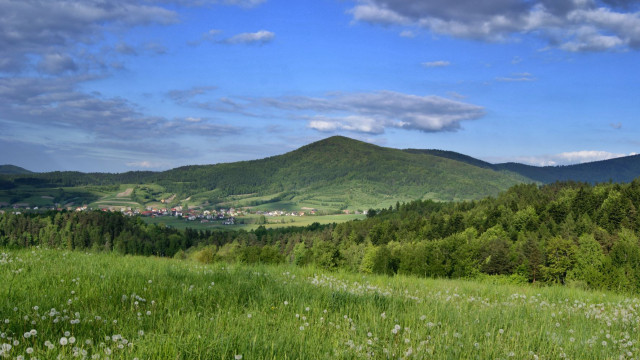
[(89, 305)]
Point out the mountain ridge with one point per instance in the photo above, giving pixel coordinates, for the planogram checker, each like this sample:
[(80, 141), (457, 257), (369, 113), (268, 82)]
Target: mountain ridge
[(335, 173)]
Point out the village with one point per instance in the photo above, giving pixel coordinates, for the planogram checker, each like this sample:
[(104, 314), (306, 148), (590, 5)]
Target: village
[(225, 216)]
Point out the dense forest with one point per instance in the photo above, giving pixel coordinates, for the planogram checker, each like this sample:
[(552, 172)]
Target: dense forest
[(566, 233)]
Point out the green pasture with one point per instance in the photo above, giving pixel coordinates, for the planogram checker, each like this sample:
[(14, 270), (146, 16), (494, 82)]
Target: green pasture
[(59, 304)]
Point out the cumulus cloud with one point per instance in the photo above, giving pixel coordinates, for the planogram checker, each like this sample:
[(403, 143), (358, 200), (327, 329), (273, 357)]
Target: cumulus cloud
[(571, 25), (34, 32), (374, 112), (50, 31)]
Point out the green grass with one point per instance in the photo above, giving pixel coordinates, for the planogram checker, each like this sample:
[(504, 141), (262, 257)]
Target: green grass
[(250, 221), (150, 308)]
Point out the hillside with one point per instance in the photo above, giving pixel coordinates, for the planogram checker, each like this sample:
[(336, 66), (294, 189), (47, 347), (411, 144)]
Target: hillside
[(619, 170), (335, 173), (13, 170), (345, 168), (172, 309), (623, 169)]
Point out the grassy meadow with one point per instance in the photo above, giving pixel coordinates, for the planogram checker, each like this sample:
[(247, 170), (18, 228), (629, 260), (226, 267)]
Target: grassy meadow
[(59, 304)]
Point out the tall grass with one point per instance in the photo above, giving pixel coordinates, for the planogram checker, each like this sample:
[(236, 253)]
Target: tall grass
[(72, 304)]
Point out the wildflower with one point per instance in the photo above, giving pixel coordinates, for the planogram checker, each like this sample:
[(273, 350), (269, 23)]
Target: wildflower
[(33, 332), (501, 331), (604, 343), (286, 302), (29, 350), (301, 328), (27, 335), (64, 341), (238, 357), (249, 316), (72, 340)]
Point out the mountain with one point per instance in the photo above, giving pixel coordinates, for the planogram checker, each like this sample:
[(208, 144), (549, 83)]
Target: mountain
[(334, 173), (13, 170), (620, 170), (346, 170)]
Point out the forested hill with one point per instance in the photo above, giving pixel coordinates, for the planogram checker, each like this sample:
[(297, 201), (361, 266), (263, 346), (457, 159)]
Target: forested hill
[(344, 172), (340, 161), (338, 167), (619, 170), (12, 169)]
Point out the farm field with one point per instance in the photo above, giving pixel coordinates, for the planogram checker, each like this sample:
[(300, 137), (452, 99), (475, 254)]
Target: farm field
[(249, 222), (60, 304)]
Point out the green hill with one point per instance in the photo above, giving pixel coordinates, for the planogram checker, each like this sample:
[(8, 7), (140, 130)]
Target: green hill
[(343, 172), (623, 169), (619, 170), (13, 170), (334, 174)]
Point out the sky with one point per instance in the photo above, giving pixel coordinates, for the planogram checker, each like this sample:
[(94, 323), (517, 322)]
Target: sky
[(122, 85)]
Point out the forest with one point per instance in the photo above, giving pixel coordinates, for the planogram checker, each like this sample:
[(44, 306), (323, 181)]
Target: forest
[(570, 233)]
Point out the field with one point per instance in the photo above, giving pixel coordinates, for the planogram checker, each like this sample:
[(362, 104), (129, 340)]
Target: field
[(249, 222), (90, 305)]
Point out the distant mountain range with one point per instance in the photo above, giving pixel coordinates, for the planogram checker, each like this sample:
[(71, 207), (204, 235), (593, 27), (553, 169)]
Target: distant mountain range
[(334, 173)]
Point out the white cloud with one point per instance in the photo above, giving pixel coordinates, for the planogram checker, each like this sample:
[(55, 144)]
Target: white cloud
[(377, 14), (354, 123), (570, 25), (376, 111), (517, 77), (259, 37), (439, 63)]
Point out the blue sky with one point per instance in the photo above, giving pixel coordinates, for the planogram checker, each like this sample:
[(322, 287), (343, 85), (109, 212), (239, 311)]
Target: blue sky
[(121, 85)]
